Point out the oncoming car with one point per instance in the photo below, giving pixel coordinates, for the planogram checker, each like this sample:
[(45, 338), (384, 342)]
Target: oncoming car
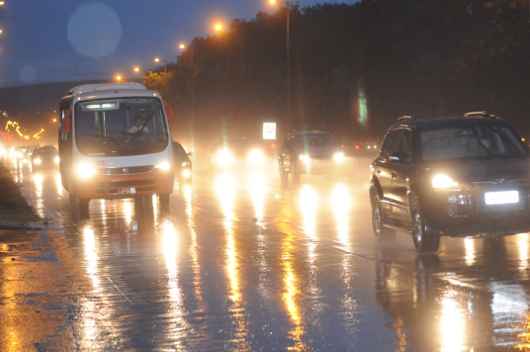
[(451, 176), (45, 157), (309, 152), (114, 142)]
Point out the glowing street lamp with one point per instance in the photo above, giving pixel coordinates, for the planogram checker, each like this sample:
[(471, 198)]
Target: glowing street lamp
[(272, 3), (157, 60), (218, 27), (2, 3), (118, 78), (182, 46), (136, 69)]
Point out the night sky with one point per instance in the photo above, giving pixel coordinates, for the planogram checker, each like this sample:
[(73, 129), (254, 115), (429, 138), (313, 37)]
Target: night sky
[(55, 40)]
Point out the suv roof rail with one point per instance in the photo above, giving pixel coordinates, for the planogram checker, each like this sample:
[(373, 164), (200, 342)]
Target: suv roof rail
[(483, 114)]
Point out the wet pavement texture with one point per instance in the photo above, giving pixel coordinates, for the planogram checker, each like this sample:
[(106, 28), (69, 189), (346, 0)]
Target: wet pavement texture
[(240, 264)]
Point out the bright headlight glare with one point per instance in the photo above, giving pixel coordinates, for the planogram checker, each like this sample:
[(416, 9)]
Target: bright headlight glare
[(164, 166), (443, 181), (37, 161), (186, 174), (56, 160), (224, 157), (339, 157), (256, 156), (85, 170), (304, 158), (185, 164)]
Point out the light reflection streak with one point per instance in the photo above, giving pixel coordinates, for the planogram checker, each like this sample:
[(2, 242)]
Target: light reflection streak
[(308, 204), (341, 205), (10, 332), (58, 184), (452, 325), (89, 307), (225, 189), (470, 255), (194, 247), (291, 284), (522, 250), (169, 246), (127, 207), (38, 182), (258, 189)]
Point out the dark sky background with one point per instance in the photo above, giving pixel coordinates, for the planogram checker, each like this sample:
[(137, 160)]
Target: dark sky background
[(56, 40)]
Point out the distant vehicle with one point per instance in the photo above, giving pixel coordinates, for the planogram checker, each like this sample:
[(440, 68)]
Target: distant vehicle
[(114, 142), (241, 151), (182, 163), (46, 157), (309, 152), (451, 176)]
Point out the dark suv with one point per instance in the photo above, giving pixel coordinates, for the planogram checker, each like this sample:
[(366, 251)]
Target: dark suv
[(452, 176)]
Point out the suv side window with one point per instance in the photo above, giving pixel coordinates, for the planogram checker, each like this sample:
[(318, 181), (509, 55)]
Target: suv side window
[(405, 149), (391, 143)]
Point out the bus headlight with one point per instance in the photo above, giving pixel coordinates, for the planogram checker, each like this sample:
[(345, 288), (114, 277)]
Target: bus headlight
[(339, 157), (85, 170), (37, 161), (164, 166), (443, 181)]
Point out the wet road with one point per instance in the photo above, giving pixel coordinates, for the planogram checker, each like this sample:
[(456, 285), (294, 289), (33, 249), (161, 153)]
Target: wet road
[(239, 264)]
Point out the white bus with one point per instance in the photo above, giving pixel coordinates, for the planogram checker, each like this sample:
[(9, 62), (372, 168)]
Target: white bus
[(114, 142)]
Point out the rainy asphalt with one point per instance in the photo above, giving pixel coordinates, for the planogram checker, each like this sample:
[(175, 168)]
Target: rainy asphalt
[(240, 264)]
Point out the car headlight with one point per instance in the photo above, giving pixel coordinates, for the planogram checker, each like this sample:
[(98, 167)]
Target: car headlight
[(443, 181), (56, 160), (163, 166), (85, 170), (256, 156), (339, 157), (224, 157), (305, 158), (186, 174), (37, 161), (185, 164)]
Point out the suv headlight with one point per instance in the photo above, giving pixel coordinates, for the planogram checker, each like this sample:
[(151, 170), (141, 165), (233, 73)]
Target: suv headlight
[(443, 181), (339, 157), (163, 166), (85, 170)]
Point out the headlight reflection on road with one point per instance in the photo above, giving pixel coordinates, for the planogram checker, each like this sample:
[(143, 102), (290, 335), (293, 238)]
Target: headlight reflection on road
[(225, 189), (170, 248), (522, 250), (452, 325), (341, 204), (38, 182), (58, 184), (194, 246), (258, 188), (470, 255)]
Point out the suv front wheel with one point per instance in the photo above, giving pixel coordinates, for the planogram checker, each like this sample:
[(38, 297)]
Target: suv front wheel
[(425, 238), (378, 221)]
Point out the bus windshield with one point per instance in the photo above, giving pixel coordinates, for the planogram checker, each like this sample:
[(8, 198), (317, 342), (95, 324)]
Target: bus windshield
[(125, 126)]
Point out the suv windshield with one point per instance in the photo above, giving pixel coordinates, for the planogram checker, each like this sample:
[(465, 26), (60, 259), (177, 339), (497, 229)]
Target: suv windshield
[(479, 141), (312, 140), (126, 126)]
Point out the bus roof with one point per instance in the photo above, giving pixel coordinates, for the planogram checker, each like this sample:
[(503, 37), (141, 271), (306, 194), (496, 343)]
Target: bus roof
[(109, 90), (92, 88)]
